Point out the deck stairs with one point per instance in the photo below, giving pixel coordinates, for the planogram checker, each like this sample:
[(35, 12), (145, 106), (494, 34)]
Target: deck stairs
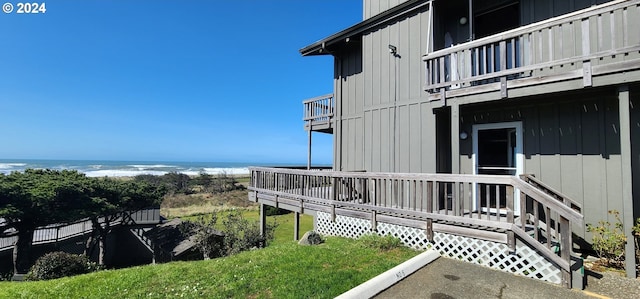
[(136, 221)]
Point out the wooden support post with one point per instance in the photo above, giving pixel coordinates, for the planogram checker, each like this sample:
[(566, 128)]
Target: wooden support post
[(374, 221), (511, 240), (296, 226), (455, 138), (263, 221), (309, 151), (429, 209), (333, 213), (627, 179), (565, 249), (430, 230)]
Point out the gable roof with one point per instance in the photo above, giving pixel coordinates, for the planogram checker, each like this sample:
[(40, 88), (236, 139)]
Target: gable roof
[(329, 44)]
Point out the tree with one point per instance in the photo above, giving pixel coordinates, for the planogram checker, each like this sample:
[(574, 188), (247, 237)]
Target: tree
[(113, 199), (35, 198)]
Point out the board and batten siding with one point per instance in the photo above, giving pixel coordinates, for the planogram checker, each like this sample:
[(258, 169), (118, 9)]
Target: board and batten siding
[(374, 7), (385, 122), (571, 142)]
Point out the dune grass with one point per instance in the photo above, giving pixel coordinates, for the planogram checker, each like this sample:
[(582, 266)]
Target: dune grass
[(283, 270)]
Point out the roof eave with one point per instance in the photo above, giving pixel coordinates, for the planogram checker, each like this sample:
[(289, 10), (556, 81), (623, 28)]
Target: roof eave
[(321, 47)]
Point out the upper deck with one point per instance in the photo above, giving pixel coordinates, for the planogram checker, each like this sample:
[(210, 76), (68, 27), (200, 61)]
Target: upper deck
[(592, 47)]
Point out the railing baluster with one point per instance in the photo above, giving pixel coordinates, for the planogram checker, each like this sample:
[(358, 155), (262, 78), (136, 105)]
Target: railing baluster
[(536, 221), (547, 214), (498, 200), (487, 199)]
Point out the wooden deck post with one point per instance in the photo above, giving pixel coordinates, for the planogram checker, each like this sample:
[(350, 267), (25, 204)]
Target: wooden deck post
[(429, 210), (511, 238), (627, 178), (309, 151), (296, 226), (455, 138), (263, 220), (565, 249)]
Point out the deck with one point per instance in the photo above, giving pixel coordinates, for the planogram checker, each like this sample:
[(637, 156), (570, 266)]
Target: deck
[(494, 208), (585, 47)]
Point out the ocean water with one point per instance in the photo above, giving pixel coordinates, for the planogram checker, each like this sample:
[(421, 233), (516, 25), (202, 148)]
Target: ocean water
[(96, 168)]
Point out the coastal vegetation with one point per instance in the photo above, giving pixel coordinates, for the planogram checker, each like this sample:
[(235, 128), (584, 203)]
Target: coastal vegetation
[(38, 197), (282, 270)]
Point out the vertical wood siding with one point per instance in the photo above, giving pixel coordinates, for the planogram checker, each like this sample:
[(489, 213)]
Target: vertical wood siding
[(374, 7), (571, 145), (392, 92), (537, 10)]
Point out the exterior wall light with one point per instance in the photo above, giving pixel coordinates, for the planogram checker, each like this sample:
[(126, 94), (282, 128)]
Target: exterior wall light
[(463, 21), (463, 135), (393, 50)]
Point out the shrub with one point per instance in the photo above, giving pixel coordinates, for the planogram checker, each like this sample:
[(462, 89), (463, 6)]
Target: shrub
[(636, 236), (238, 234), (60, 264), (242, 234), (609, 241), (386, 242), (6, 276)]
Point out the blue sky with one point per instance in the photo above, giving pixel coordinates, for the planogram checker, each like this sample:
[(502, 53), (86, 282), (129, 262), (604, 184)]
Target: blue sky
[(190, 80)]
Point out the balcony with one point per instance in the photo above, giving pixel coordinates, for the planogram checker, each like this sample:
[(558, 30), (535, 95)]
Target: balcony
[(318, 113), (584, 48)]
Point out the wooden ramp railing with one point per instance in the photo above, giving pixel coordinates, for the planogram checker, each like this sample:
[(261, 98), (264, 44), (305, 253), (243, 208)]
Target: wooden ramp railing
[(496, 208)]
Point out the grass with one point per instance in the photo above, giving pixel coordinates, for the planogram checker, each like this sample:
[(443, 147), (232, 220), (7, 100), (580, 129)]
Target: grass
[(283, 270), (284, 230), (181, 205)]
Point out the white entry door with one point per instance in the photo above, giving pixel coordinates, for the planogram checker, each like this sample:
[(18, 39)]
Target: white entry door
[(497, 150)]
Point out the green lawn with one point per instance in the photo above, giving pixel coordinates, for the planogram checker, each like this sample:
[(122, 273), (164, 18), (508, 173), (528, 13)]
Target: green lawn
[(282, 270), (284, 229)]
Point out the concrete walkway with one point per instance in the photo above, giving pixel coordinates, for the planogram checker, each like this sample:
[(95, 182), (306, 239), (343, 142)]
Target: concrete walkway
[(447, 278)]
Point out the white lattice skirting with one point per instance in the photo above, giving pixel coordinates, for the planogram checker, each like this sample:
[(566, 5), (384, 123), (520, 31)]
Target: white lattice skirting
[(526, 261)]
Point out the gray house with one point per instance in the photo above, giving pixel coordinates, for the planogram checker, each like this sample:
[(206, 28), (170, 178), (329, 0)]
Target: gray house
[(453, 116)]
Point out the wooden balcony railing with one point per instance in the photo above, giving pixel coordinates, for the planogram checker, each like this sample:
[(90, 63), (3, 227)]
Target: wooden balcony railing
[(488, 207), (318, 113), (586, 43)]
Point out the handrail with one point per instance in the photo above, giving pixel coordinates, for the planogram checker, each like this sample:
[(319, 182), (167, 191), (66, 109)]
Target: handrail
[(548, 200), (530, 179), (483, 202)]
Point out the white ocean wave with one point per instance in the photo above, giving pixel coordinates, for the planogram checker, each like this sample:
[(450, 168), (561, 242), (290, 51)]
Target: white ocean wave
[(142, 166), (12, 165), (234, 170), (220, 170), (120, 173)]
